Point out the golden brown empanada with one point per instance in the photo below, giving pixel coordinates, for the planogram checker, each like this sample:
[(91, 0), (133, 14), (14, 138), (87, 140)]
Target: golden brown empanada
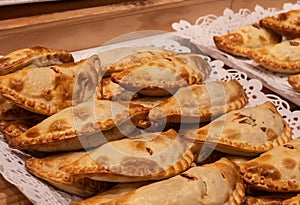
[(282, 57), (106, 196), (199, 103), (294, 81), (86, 125), (119, 59), (238, 42), (13, 128), (47, 90), (216, 183), (286, 23), (163, 76), (35, 56), (276, 170), (48, 169), (149, 156), (248, 131), (274, 199), (108, 90)]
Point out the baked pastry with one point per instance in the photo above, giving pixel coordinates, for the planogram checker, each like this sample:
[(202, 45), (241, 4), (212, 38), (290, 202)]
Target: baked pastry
[(108, 90), (86, 125), (216, 183), (106, 196), (163, 76), (274, 199), (35, 56), (119, 59), (238, 42), (200, 103), (282, 57), (248, 131), (286, 23), (294, 81), (47, 90), (48, 169), (149, 156), (276, 170), (13, 128)]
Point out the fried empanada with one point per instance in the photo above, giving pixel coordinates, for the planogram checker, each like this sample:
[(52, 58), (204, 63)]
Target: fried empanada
[(35, 56), (248, 131), (149, 156), (86, 125), (200, 103), (117, 191), (294, 81), (276, 170), (286, 24), (238, 42), (119, 59), (47, 90), (48, 169), (216, 183), (282, 57), (163, 76), (274, 199)]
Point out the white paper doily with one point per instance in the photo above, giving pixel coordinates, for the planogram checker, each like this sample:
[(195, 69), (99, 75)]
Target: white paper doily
[(12, 161), (206, 27)]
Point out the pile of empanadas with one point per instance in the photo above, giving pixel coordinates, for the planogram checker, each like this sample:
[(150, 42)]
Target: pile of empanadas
[(143, 126), (273, 42)]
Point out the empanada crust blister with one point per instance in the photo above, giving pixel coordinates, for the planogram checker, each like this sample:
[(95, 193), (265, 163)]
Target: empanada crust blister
[(199, 103), (285, 24), (86, 125), (276, 170), (247, 131), (47, 90), (35, 56), (282, 57), (149, 156), (238, 42)]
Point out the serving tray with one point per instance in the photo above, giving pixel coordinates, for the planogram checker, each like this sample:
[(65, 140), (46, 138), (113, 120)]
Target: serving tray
[(202, 32), (12, 161)]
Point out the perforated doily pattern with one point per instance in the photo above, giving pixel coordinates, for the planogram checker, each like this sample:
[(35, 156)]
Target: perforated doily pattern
[(206, 27), (12, 161)]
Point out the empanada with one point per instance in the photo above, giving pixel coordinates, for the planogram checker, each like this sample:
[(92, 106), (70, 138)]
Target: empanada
[(282, 57), (199, 103), (47, 168), (276, 170), (106, 196), (274, 199), (149, 156), (47, 90), (13, 128), (294, 81), (216, 183), (163, 76), (286, 23), (248, 131), (238, 42), (119, 59), (35, 56), (86, 125)]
